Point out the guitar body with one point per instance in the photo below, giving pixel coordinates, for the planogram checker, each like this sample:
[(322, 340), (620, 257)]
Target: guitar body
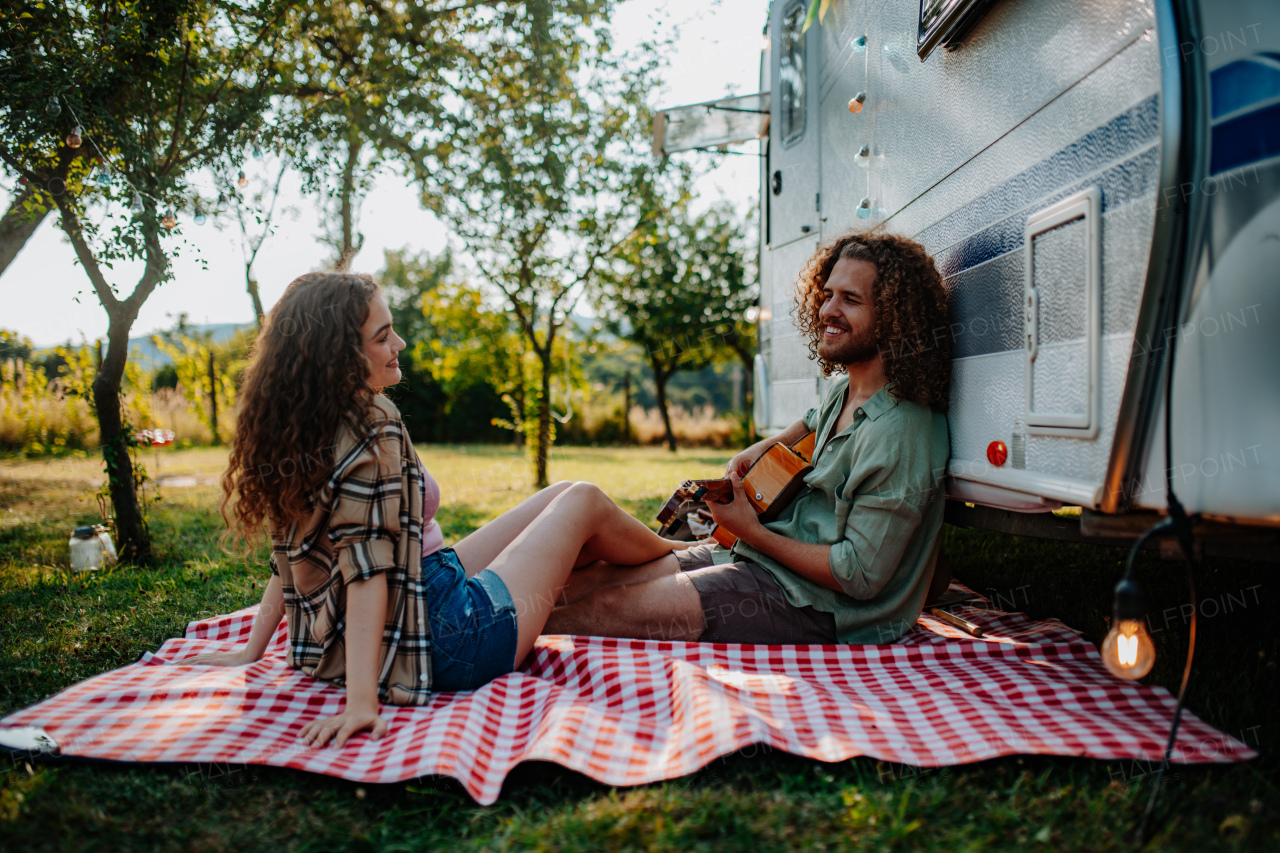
[(770, 483)]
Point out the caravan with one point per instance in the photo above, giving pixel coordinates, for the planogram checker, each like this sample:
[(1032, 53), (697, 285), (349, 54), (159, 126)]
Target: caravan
[(1099, 185)]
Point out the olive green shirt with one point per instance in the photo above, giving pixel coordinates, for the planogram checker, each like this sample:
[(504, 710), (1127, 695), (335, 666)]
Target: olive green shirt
[(875, 496)]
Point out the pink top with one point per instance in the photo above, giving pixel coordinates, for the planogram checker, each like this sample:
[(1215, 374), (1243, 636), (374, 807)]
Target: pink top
[(432, 535)]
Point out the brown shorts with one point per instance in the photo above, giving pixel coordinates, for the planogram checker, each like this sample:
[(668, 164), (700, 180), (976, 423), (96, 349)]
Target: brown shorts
[(744, 604)]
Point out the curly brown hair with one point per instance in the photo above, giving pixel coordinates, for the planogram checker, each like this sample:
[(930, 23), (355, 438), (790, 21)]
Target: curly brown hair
[(307, 375), (913, 321)]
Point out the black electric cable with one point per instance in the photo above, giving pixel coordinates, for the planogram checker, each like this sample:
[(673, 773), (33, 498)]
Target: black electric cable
[(1179, 523)]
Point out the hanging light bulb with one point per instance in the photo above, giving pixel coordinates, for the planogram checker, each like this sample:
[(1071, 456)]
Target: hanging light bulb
[(257, 153), (74, 137), (199, 218), (856, 102), (168, 221), (242, 181), (1127, 651), (864, 208), (52, 108), (863, 157), (136, 205), (103, 178), (859, 45)]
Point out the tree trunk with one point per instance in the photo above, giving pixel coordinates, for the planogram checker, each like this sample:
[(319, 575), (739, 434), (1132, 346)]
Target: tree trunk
[(748, 359), (518, 396), (251, 284), (660, 379), (626, 408), (134, 541), (350, 247), (17, 226), (213, 398), (131, 529), (544, 418)]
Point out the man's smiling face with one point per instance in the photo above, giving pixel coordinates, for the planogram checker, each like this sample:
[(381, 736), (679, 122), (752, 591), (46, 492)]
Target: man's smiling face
[(848, 313)]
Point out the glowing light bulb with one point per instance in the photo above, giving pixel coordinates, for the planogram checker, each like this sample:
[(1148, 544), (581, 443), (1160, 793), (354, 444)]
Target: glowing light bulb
[(74, 137), (52, 108), (168, 221), (242, 181), (864, 208), (1127, 651), (856, 102), (858, 45)]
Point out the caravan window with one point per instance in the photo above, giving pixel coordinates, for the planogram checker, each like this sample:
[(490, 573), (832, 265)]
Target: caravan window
[(791, 76)]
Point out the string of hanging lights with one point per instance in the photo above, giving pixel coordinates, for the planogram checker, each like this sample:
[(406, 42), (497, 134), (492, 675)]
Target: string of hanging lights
[(107, 166)]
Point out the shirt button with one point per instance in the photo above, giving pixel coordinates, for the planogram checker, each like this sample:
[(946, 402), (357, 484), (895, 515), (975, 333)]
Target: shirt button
[(422, 677)]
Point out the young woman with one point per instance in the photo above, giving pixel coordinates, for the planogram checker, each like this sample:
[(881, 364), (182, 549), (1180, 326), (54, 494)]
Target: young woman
[(374, 600)]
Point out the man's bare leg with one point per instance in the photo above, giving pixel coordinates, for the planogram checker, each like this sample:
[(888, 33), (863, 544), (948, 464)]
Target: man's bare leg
[(535, 565), (598, 575), (665, 606)]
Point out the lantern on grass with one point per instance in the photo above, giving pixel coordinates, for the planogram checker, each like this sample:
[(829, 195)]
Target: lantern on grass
[(91, 548)]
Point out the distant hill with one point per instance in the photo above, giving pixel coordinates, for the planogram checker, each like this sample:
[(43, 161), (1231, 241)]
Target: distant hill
[(148, 356)]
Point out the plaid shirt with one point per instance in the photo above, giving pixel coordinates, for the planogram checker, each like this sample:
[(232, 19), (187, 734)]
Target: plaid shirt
[(367, 518)]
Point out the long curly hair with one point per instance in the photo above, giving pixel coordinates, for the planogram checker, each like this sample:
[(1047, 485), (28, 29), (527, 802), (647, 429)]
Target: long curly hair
[(913, 321), (307, 375)]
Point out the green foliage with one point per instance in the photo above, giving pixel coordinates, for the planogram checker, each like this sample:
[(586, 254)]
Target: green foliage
[(470, 367), (206, 372), (677, 288), (46, 402)]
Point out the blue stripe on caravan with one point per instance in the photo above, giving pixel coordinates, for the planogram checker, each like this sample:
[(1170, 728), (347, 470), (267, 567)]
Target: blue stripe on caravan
[(1245, 139), (1128, 132), (1120, 184)]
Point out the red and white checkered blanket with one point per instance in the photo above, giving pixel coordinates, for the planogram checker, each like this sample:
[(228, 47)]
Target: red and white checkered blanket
[(626, 712)]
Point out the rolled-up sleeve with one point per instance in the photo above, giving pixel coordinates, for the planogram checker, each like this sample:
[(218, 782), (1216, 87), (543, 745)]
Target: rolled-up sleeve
[(876, 534), (811, 419), (365, 524)]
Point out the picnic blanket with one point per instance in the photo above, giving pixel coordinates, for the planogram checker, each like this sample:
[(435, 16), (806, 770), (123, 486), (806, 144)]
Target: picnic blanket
[(626, 712)]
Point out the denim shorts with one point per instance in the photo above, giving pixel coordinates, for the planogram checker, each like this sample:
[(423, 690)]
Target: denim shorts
[(473, 624)]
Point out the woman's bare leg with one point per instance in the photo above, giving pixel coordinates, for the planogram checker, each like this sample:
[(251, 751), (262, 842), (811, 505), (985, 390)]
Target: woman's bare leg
[(477, 551), (537, 562)]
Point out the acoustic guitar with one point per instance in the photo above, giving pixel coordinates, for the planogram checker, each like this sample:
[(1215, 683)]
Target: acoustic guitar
[(770, 483)]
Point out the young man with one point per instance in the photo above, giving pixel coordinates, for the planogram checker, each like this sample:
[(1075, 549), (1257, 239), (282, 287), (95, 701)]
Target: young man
[(850, 559)]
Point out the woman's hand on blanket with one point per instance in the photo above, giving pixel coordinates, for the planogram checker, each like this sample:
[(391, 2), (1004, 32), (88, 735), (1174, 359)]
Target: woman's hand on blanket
[(237, 658), (343, 726)]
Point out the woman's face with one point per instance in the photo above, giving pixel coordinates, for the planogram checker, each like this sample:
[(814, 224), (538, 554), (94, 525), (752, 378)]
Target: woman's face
[(381, 344)]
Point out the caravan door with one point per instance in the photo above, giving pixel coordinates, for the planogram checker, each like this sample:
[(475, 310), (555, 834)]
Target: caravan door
[(787, 379)]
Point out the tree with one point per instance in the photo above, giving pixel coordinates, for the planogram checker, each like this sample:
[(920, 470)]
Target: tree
[(677, 288), (546, 169), (260, 206), (158, 91), (367, 75)]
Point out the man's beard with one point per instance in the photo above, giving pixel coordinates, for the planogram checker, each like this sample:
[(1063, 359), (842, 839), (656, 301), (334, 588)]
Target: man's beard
[(857, 348)]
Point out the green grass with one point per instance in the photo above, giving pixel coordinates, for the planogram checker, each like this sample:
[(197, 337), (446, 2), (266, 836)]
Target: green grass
[(56, 630)]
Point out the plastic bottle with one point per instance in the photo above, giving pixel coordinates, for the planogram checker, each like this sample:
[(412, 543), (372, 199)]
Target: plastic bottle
[(1018, 444)]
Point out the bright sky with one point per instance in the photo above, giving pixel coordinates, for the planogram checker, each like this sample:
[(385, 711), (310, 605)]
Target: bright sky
[(47, 297)]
